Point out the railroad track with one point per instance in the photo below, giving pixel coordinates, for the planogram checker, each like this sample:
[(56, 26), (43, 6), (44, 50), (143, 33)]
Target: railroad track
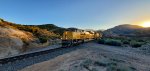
[(24, 56), (27, 55), (21, 61)]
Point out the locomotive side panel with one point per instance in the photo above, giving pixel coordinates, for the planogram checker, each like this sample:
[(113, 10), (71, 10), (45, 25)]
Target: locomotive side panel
[(71, 38), (67, 35), (71, 35), (97, 35), (76, 35)]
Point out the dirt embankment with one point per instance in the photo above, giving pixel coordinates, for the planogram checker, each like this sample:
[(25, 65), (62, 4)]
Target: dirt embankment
[(12, 41), (96, 57)]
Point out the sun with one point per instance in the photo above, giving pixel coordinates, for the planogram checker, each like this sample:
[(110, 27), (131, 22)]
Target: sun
[(146, 24)]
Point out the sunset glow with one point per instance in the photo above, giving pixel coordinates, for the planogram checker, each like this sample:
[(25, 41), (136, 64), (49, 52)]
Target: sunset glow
[(146, 24)]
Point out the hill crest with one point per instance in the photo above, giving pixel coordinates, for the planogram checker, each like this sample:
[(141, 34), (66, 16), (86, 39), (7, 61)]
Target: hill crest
[(127, 30)]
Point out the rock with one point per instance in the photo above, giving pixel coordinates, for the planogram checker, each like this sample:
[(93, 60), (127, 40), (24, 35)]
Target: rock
[(10, 46), (12, 41)]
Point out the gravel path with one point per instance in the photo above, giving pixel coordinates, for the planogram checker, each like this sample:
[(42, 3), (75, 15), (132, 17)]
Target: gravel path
[(122, 51), (139, 60)]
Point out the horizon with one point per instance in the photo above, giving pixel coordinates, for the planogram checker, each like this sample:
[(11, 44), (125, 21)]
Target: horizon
[(83, 14), (79, 28)]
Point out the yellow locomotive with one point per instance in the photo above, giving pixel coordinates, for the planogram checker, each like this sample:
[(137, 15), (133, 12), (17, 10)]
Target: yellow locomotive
[(78, 36)]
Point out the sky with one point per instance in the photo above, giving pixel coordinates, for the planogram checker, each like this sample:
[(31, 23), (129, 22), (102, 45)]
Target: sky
[(83, 14)]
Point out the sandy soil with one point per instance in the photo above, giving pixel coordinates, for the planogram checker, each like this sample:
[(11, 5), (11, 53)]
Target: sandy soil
[(96, 57)]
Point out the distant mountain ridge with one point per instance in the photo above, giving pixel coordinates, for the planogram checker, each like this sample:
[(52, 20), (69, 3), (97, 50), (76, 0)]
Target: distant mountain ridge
[(128, 30), (51, 28)]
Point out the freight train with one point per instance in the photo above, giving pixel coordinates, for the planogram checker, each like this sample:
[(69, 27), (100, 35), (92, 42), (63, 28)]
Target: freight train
[(78, 36)]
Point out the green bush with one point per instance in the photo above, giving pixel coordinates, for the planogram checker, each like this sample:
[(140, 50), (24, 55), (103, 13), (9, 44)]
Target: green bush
[(101, 41), (136, 44), (108, 41), (126, 42), (141, 40), (43, 40), (113, 42)]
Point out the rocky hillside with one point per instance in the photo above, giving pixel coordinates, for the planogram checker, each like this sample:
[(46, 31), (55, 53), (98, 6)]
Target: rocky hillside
[(128, 30), (12, 41), (52, 28), (15, 38)]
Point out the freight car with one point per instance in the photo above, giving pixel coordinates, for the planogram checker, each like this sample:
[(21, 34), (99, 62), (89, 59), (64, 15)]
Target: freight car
[(78, 36)]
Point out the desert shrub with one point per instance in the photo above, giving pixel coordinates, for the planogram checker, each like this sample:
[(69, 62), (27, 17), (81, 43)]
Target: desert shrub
[(110, 41), (113, 42), (87, 63), (101, 41), (141, 40), (136, 44), (100, 63), (43, 39), (117, 68), (126, 42)]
